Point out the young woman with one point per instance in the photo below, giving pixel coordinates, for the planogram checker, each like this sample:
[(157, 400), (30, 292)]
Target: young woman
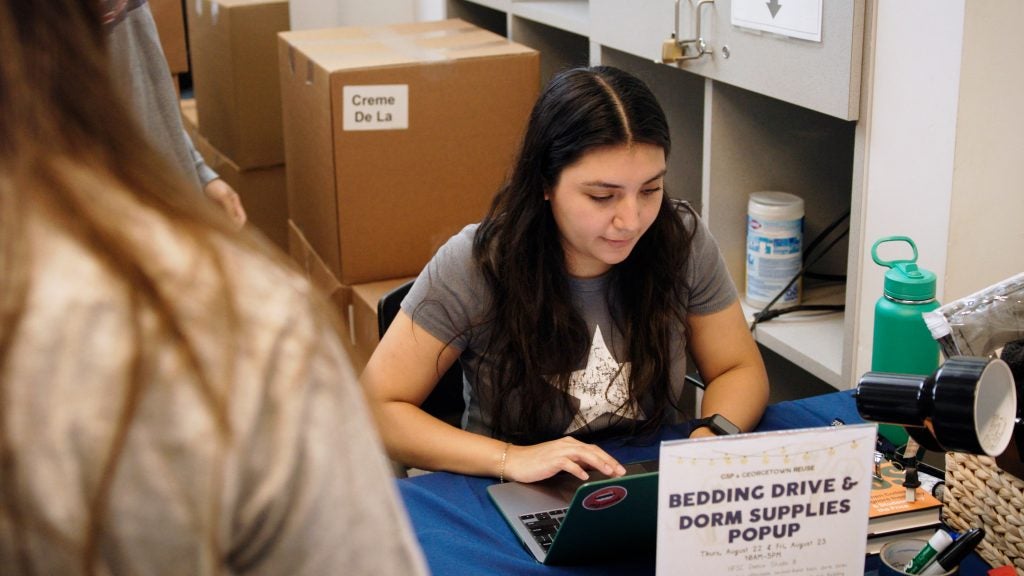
[(172, 398), (571, 305)]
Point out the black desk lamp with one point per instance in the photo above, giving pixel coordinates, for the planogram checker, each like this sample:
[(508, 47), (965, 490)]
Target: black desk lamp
[(969, 404)]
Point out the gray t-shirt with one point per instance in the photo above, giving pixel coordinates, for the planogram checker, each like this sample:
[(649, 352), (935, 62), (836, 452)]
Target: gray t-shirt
[(451, 295)]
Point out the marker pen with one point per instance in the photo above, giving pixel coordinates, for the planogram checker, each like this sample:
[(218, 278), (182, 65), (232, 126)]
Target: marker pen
[(937, 543), (956, 552)]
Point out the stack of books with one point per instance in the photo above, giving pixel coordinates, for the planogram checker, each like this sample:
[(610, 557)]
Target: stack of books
[(892, 516)]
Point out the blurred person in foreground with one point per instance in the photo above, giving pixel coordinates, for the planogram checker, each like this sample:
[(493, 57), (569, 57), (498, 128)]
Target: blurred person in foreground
[(173, 398)]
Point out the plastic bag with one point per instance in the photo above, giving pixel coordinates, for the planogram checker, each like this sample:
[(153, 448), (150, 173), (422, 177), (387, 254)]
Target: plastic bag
[(982, 323)]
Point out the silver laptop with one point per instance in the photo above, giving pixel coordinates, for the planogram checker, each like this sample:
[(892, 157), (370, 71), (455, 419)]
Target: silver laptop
[(564, 520)]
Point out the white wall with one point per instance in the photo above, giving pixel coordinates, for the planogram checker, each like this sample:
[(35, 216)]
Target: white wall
[(427, 10), (910, 130), (307, 14), (986, 240)]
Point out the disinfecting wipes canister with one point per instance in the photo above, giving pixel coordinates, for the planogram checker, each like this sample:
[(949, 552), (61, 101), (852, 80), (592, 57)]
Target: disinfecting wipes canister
[(775, 231)]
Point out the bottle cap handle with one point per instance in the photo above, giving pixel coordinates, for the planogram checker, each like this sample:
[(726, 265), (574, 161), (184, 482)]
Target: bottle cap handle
[(892, 263)]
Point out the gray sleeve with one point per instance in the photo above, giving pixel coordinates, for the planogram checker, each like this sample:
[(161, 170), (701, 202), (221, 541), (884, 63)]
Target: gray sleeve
[(450, 294), (206, 174), (139, 71), (711, 287)]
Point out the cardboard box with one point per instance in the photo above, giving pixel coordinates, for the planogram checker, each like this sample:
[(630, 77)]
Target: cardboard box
[(189, 117), (362, 316), (397, 137), (319, 275), (170, 25), (235, 77), (356, 305), (263, 191)]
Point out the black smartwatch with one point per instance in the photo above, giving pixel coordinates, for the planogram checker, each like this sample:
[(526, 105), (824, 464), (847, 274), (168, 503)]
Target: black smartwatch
[(719, 424)]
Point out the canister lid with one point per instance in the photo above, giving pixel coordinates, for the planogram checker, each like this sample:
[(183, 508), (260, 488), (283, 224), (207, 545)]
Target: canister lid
[(771, 205)]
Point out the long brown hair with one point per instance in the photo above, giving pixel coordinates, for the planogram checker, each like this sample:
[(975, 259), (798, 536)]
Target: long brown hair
[(71, 152), (542, 337)]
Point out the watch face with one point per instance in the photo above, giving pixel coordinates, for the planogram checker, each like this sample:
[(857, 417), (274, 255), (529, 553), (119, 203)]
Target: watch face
[(722, 426)]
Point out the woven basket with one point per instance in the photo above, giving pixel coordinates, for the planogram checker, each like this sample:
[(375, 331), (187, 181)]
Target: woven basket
[(980, 494)]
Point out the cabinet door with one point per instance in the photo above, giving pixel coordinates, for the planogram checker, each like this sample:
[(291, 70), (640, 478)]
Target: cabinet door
[(820, 75)]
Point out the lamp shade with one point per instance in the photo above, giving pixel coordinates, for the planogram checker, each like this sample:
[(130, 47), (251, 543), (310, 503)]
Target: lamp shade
[(975, 405), (967, 405)]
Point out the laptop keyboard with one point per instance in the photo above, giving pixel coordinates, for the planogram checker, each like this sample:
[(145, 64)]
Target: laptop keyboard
[(543, 525)]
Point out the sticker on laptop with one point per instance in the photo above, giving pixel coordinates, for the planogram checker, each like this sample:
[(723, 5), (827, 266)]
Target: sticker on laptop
[(605, 498)]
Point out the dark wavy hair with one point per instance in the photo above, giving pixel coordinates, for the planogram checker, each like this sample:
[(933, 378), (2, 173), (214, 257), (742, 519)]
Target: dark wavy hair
[(537, 337)]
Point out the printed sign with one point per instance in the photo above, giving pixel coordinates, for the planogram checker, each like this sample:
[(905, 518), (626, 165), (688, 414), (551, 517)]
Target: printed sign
[(767, 504), (380, 107), (794, 18)]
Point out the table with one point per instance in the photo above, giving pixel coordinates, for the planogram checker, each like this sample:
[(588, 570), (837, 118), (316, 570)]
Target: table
[(461, 532)]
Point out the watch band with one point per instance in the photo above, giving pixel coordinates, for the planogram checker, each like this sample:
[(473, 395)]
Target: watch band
[(718, 424)]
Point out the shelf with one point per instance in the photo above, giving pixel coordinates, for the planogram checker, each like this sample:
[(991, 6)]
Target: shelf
[(559, 49), (811, 340), (501, 5), (569, 15)]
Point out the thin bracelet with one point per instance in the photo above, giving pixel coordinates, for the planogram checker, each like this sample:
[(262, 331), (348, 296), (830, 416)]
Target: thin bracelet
[(504, 457)]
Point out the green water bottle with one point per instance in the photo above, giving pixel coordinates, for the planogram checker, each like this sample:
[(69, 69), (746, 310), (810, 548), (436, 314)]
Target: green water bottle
[(902, 342)]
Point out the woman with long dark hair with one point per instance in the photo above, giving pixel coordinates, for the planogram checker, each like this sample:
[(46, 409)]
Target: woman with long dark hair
[(173, 398), (572, 305)]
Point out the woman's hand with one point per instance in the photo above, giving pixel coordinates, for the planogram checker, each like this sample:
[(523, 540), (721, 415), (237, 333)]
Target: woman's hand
[(540, 461), (221, 193)]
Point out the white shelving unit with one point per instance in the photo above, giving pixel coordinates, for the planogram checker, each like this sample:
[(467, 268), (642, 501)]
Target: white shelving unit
[(499, 5), (866, 121), (569, 15), (810, 340)]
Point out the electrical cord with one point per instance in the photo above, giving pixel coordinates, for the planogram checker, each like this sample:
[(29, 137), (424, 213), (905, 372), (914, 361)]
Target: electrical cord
[(824, 234), (766, 313)]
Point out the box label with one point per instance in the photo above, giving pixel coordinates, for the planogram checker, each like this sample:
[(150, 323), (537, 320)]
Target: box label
[(379, 107)]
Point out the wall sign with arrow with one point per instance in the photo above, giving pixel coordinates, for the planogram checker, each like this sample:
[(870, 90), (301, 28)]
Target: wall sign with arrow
[(794, 18)]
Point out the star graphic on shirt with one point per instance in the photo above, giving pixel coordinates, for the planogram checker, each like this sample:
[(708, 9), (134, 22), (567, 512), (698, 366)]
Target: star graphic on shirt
[(601, 387)]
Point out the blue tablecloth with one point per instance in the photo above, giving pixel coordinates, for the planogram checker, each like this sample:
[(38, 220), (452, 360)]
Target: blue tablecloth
[(462, 533)]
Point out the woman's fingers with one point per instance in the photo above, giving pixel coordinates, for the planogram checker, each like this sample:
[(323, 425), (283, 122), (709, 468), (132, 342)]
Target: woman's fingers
[(598, 459), (540, 461)]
